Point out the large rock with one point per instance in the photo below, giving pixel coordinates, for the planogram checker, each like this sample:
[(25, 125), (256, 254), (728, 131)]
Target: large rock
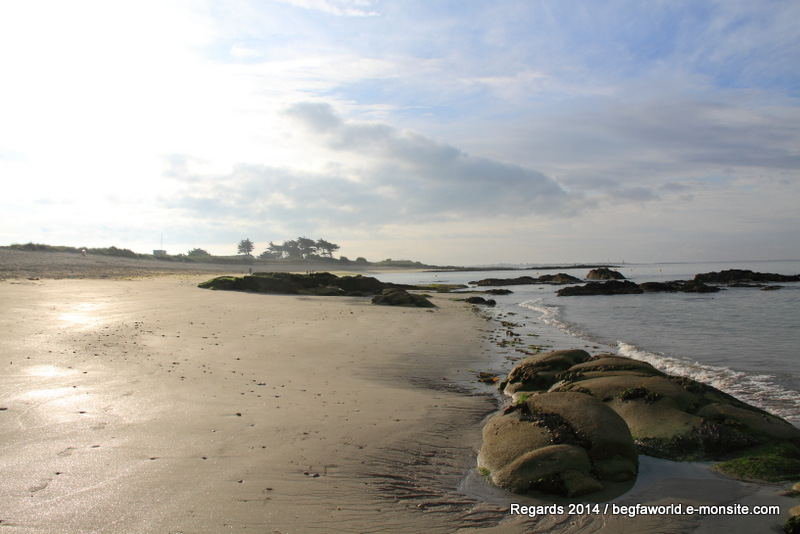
[(563, 443), (560, 278), (673, 417), (666, 416), (604, 273), (610, 287), (401, 297), (539, 372), (322, 283), (739, 276)]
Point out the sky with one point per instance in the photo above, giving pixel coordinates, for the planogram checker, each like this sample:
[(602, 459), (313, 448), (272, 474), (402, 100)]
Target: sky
[(448, 131)]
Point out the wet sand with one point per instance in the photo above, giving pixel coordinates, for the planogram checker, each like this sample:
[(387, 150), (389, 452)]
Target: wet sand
[(149, 405)]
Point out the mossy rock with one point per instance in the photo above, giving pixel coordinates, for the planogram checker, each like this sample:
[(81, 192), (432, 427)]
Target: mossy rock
[(771, 463), (633, 387), (563, 443), (401, 297), (538, 372), (792, 525), (608, 363), (559, 469)]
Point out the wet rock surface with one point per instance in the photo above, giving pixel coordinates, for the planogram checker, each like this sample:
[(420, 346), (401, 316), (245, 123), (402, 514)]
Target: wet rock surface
[(669, 417)]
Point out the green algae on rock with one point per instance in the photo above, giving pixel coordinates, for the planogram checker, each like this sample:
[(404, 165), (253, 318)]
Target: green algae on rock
[(669, 417)]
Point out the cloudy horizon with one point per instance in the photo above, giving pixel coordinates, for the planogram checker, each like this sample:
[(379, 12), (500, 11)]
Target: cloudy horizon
[(446, 132)]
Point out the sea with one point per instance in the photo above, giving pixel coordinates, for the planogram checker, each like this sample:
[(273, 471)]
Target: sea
[(743, 340)]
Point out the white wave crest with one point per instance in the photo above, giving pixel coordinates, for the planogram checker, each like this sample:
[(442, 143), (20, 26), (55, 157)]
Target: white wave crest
[(758, 390)]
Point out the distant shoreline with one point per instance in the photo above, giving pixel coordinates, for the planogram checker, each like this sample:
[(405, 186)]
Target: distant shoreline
[(21, 264)]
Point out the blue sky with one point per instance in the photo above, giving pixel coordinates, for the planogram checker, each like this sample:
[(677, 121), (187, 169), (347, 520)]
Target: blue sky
[(442, 131)]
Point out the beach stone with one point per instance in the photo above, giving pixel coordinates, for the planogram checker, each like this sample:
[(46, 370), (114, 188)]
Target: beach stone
[(564, 443), (539, 372)]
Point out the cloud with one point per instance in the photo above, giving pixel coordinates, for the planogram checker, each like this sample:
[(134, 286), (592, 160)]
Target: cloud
[(399, 177), (425, 172), (346, 8)]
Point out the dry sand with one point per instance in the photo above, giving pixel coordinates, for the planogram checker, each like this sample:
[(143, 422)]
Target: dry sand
[(149, 405)]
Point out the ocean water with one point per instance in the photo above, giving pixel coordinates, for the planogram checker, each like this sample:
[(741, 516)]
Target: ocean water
[(743, 341)]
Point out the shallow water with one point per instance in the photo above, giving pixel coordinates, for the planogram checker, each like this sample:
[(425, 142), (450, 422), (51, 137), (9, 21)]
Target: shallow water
[(743, 341)]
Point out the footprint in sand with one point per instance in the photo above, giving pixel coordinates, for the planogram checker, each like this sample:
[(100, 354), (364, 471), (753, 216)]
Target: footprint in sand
[(67, 451), (40, 486)]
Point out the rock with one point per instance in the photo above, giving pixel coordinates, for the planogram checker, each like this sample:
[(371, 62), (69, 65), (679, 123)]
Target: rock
[(538, 372), (792, 525), (656, 287), (672, 417), (481, 301), (563, 443), (401, 297), (361, 284), (667, 416), (604, 273), (560, 278), (324, 284), (611, 287), (732, 276), (696, 286), (521, 280)]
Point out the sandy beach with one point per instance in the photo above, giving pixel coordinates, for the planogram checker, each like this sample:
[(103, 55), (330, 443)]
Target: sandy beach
[(150, 405), (145, 404)]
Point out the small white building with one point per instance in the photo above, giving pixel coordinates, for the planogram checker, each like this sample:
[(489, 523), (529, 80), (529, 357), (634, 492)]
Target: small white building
[(159, 253)]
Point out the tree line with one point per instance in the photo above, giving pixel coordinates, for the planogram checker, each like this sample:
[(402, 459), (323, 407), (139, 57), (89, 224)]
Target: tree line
[(293, 249)]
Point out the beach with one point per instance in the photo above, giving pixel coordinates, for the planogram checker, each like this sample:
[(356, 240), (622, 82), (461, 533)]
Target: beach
[(151, 405), (143, 404)]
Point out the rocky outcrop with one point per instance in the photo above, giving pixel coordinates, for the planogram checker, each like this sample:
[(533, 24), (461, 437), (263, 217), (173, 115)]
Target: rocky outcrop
[(667, 416), (562, 443), (742, 276), (611, 287), (560, 278), (326, 284), (401, 297), (539, 372), (604, 273), (480, 300), (626, 287)]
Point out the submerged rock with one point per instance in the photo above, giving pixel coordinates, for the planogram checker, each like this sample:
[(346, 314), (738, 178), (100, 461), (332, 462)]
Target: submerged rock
[(560, 278), (611, 287), (737, 276)]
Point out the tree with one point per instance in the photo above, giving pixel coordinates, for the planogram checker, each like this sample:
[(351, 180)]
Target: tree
[(307, 246), (246, 247), (327, 248), (291, 249), (197, 253)]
